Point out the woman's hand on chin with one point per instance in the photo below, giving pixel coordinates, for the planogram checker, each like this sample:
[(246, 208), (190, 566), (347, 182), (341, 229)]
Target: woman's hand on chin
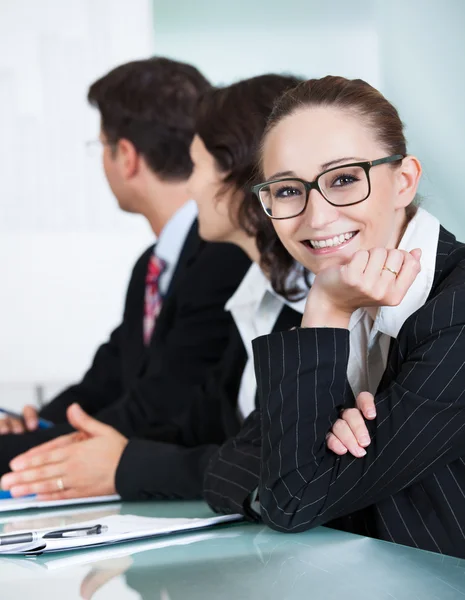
[(377, 277)]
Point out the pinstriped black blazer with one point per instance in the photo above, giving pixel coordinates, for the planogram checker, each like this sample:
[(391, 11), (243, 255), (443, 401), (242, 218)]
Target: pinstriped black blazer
[(410, 487)]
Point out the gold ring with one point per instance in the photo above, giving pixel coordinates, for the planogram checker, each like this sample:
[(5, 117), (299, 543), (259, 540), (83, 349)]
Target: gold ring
[(390, 270), (60, 484)]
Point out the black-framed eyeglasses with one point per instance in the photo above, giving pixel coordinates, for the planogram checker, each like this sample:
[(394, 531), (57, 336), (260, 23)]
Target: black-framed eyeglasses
[(345, 185)]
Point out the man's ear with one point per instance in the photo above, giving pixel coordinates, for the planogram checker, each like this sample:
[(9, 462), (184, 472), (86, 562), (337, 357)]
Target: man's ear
[(409, 174), (127, 157)]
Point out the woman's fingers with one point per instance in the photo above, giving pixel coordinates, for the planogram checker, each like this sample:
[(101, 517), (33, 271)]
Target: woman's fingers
[(392, 266), (377, 260), (349, 438), (335, 445), (407, 275), (388, 275), (356, 267), (356, 423), (350, 432), (366, 404), (416, 253)]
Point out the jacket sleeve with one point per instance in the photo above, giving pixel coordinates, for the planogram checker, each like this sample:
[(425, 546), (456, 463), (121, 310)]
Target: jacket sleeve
[(150, 469), (170, 462), (420, 422), (182, 357), (232, 476), (102, 384)]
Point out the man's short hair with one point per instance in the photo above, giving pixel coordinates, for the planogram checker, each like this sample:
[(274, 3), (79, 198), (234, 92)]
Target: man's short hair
[(152, 103)]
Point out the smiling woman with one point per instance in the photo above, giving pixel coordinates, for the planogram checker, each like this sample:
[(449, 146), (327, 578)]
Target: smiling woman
[(385, 315), (360, 146)]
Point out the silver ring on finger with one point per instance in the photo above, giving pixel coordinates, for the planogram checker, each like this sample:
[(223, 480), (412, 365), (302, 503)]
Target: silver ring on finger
[(60, 484)]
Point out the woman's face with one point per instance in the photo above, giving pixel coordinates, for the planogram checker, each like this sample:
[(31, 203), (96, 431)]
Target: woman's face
[(206, 187), (308, 142)]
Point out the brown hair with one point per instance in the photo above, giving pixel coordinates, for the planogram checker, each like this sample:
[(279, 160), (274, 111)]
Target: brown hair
[(231, 122), (152, 103), (354, 96)]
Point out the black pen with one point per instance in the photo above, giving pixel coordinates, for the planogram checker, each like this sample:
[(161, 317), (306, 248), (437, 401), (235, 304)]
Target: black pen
[(77, 532), (34, 536)]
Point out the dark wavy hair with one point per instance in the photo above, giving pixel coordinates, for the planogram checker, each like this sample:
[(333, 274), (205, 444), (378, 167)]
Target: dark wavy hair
[(231, 122), (152, 103), (356, 97)]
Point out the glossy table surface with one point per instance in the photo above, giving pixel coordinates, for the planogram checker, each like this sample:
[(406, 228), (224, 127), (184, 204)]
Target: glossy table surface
[(237, 561)]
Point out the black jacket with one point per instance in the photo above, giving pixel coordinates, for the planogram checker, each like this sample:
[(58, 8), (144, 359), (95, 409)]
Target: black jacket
[(174, 465), (137, 389), (410, 487)]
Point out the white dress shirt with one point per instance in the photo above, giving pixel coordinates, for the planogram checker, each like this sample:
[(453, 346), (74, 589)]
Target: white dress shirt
[(171, 241), (371, 334), (255, 308)]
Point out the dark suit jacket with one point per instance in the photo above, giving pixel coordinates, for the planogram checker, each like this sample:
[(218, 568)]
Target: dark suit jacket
[(410, 487), (174, 465), (134, 388)]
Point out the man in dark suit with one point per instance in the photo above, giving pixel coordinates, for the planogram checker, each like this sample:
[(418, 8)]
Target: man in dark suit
[(174, 326)]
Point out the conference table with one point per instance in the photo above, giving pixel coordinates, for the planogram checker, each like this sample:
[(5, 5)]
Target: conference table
[(235, 561)]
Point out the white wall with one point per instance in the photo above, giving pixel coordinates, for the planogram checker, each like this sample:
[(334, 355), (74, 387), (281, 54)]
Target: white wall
[(233, 40), (422, 59), (413, 50), (66, 250)]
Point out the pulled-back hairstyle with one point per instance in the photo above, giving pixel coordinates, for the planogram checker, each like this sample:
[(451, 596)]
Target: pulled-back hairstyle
[(356, 97), (231, 122)]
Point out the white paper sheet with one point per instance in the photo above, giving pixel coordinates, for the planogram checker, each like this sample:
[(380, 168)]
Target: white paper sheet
[(119, 528), (11, 504)]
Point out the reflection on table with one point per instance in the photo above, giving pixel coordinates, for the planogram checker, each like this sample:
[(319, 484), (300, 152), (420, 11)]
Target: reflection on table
[(239, 561)]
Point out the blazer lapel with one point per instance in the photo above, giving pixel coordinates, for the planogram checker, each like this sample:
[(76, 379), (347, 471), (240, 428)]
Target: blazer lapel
[(136, 349), (189, 251), (446, 245)]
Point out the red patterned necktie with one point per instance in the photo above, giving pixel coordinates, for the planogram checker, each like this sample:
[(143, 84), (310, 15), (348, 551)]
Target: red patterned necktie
[(153, 299)]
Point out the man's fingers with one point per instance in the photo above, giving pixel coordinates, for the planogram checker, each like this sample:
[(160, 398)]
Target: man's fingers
[(31, 418), (59, 442), (335, 445), (345, 435), (25, 461), (17, 426), (39, 488), (83, 422), (27, 482), (11, 425), (4, 426), (366, 404)]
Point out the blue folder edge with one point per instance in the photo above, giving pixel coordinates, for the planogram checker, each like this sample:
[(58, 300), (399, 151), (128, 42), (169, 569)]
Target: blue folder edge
[(4, 495)]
